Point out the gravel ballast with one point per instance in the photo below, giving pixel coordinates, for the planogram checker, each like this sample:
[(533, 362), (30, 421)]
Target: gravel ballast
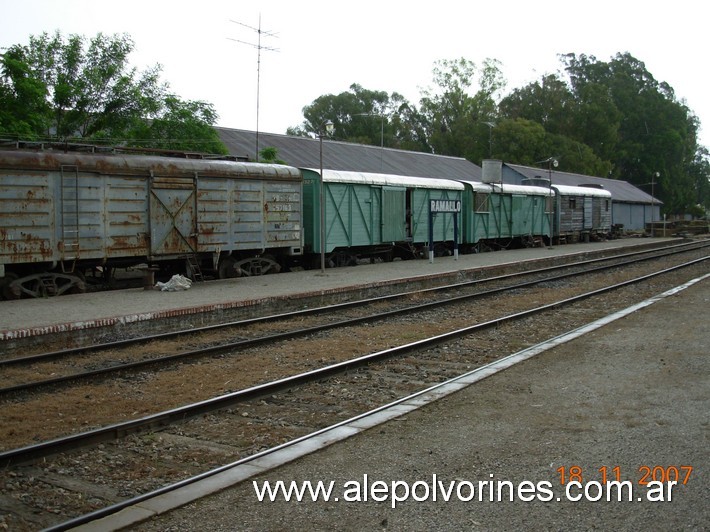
[(632, 395)]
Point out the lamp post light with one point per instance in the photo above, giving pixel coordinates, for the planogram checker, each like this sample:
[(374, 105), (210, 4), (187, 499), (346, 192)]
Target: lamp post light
[(653, 203), (551, 162), (328, 127)]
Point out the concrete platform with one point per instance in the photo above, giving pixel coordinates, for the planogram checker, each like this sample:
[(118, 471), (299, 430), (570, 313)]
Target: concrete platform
[(37, 317)]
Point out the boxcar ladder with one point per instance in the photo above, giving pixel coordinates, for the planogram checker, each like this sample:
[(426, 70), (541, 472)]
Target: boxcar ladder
[(70, 214), (193, 268)]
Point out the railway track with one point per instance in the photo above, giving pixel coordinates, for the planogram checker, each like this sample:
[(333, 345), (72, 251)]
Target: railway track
[(124, 356), (268, 414)]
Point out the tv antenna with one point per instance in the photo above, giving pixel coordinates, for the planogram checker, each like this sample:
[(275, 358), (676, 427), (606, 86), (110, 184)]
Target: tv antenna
[(259, 48)]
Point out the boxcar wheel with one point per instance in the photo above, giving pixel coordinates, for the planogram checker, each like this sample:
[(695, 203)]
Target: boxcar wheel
[(5, 291), (257, 266), (227, 269)]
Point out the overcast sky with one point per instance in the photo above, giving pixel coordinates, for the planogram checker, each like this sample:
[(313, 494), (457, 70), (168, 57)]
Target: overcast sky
[(325, 46)]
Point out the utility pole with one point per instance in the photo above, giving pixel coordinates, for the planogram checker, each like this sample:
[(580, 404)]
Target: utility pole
[(259, 48)]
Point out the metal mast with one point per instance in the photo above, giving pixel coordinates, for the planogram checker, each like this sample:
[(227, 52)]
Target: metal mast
[(259, 48)]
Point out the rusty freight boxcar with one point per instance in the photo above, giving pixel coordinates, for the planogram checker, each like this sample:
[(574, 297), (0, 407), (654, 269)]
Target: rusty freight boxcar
[(64, 214)]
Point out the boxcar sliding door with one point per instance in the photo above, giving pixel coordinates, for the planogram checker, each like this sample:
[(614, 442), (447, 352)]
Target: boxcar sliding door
[(173, 225), (394, 215)]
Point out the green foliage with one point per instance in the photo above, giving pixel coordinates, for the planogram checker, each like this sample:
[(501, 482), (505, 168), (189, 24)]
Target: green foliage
[(457, 121), (71, 89), (183, 126), (270, 155), (607, 119)]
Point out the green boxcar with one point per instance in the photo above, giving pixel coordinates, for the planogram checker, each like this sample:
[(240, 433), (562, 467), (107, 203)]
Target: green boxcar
[(495, 213), (368, 215)]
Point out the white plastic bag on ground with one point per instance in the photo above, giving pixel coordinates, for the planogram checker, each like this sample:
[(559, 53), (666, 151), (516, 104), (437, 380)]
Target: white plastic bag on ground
[(177, 282)]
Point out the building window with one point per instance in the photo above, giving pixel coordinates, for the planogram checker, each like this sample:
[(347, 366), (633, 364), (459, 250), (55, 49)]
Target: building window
[(573, 203)]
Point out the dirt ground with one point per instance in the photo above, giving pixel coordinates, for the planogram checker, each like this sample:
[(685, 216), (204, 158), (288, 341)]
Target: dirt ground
[(633, 395)]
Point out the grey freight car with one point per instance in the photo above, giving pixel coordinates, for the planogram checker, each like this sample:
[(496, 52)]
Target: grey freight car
[(581, 212), (62, 214)]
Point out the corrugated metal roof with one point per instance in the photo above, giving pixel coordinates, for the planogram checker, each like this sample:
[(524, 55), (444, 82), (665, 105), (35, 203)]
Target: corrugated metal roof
[(304, 152), (622, 191)]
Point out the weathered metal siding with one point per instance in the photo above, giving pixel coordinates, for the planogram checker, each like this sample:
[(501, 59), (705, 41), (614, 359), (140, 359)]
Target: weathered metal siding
[(26, 218), (125, 210), (81, 220), (500, 212), (283, 207), (493, 214), (173, 225), (58, 206), (588, 218), (601, 214), (571, 214), (247, 214), (528, 216), (476, 215)]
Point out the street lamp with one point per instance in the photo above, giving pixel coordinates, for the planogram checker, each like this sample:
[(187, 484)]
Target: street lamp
[(382, 132), (328, 127), (653, 206), (653, 203), (551, 161)]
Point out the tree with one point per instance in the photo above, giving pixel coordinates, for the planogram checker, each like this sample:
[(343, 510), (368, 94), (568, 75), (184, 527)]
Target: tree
[(69, 89), (24, 110), (608, 119), (359, 115), (183, 126), (454, 119), (614, 119), (656, 133)]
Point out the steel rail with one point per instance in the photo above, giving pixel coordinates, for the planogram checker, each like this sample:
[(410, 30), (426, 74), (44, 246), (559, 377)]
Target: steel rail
[(254, 342), (111, 432), (136, 500), (30, 359)]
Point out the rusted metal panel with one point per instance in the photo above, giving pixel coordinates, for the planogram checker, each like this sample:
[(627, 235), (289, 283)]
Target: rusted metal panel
[(58, 206), (236, 215), (145, 165), (173, 222), (125, 216), (26, 218), (282, 212)]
